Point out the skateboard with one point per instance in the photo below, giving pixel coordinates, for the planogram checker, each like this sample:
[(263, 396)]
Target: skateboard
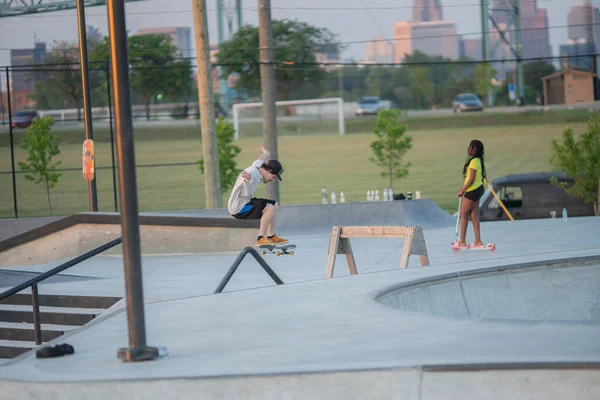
[(277, 249), (88, 159)]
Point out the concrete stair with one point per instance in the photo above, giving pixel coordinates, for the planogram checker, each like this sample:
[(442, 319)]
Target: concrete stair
[(58, 314)]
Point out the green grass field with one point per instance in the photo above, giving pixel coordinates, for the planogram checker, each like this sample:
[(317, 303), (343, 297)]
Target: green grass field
[(311, 161)]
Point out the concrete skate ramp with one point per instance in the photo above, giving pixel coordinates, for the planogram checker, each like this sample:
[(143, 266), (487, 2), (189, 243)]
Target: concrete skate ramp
[(565, 292), (322, 217)]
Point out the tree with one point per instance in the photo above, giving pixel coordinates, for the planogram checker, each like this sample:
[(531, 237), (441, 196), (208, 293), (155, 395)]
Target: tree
[(580, 160), (391, 145), (483, 78), (155, 67), (228, 171), (293, 41), (42, 146), (533, 73), (59, 84)]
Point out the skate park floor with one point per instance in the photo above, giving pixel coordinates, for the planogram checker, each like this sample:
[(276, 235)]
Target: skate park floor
[(520, 322)]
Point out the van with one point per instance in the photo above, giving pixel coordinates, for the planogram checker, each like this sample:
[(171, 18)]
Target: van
[(530, 196)]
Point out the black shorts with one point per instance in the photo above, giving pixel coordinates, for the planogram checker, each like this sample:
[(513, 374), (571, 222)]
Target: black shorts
[(475, 194), (253, 209)]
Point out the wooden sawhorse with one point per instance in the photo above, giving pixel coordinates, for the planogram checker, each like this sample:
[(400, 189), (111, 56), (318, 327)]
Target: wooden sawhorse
[(414, 243)]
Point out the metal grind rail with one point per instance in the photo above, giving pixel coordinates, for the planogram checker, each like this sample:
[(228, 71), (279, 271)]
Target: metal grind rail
[(237, 263), (34, 284)]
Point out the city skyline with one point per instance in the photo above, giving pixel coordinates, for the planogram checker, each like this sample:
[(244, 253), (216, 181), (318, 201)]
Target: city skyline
[(376, 21)]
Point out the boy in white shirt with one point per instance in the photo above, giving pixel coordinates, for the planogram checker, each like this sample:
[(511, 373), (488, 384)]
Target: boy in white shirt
[(242, 205)]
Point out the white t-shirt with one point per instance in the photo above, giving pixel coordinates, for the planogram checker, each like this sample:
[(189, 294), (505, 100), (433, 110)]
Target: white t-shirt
[(243, 190)]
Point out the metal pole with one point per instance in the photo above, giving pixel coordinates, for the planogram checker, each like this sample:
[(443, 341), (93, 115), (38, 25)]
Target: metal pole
[(267, 87), (223, 95), (485, 43), (206, 102), (137, 351), (519, 48), (238, 7), (37, 325), (12, 145), (112, 137), (85, 83)]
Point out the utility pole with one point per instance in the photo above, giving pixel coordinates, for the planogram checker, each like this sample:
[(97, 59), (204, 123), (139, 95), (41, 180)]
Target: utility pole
[(130, 226), (87, 105), (210, 151), (267, 87), (520, 79)]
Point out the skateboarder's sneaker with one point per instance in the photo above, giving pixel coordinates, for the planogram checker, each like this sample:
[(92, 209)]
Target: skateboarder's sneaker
[(264, 241), (276, 240)]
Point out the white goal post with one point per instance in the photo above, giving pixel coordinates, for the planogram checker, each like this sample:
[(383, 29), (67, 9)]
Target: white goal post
[(339, 101)]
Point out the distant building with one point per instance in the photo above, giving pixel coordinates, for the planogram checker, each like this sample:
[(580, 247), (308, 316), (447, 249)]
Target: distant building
[(578, 20), (427, 11), (573, 53), (24, 81), (471, 48), (534, 26), (568, 87), (181, 38), (432, 38), (378, 50)]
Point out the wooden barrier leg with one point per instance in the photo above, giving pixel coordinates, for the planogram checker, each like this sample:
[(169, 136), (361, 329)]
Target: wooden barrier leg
[(406, 249), (346, 248), (424, 261), (334, 242)]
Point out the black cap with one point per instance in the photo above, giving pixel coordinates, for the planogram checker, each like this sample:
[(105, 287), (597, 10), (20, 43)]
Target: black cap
[(275, 167)]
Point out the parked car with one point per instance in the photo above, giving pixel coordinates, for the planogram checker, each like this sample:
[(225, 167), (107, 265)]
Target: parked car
[(369, 105), (466, 102), (24, 118), (530, 196)]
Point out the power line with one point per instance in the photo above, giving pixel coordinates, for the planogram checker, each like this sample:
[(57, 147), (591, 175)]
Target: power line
[(294, 8)]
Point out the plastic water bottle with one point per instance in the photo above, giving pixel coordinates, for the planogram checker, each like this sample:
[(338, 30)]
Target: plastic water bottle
[(377, 195), (369, 195), (390, 195), (324, 195), (342, 198), (564, 214), (333, 201), (385, 194)]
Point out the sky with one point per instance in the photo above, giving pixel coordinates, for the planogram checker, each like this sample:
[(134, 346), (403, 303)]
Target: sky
[(351, 20)]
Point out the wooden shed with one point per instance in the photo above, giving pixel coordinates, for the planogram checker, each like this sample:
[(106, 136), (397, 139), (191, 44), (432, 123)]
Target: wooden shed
[(568, 87)]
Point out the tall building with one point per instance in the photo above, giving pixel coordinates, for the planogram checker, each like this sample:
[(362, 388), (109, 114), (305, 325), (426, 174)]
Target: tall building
[(571, 54), (23, 81), (378, 50), (534, 25), (436, 38), (181, 38), (427, 11), (578, 20), (470, 48)]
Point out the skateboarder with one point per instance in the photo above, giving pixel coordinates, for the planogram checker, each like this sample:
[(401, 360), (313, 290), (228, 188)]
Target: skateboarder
[(242, 205), (472, 190)]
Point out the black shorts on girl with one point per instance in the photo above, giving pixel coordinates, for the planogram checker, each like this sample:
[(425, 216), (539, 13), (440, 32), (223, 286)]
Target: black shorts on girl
[(253, 209), (475, 194)]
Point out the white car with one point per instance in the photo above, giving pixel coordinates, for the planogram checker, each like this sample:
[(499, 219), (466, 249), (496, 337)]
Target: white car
[(369, 105)]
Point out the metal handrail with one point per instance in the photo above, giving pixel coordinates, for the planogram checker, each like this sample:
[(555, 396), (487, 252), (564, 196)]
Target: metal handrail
[(237, 262), (34, 281)]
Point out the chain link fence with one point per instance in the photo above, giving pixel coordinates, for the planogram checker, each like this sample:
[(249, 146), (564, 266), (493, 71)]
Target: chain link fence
[(167, 129)]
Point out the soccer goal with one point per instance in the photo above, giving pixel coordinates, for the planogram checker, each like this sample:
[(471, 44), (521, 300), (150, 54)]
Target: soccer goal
[(293, 117)]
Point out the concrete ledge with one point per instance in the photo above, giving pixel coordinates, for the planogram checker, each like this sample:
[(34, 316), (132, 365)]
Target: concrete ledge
[(411, 383), (160, 234)]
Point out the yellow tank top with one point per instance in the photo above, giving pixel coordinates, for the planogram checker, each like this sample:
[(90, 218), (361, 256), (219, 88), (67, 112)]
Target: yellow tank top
[(476, 165)]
